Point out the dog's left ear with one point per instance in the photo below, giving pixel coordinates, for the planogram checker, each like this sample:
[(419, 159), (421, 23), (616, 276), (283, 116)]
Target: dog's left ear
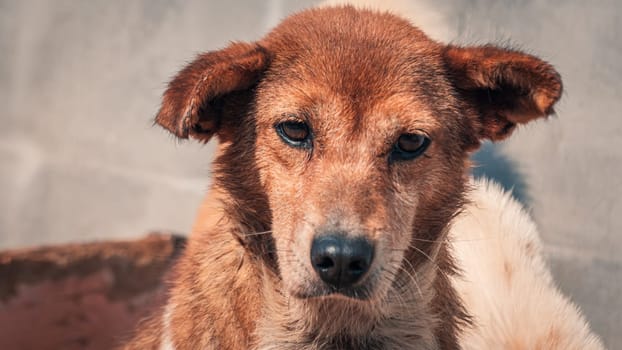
[(505, 87), (192, 103)]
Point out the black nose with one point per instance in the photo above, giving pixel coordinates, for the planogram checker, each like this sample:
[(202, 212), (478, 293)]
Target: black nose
[(341, 261)]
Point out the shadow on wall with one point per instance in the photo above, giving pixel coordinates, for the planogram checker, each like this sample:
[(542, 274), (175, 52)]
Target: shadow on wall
[(490, 162)]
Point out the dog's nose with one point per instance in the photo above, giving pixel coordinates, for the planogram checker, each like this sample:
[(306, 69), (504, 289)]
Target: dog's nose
[(341, 261)]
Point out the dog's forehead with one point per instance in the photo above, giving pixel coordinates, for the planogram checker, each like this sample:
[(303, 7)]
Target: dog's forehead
[(353, 62), (352, 48)]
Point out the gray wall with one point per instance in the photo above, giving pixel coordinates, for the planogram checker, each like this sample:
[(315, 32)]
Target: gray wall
[(81, 80)]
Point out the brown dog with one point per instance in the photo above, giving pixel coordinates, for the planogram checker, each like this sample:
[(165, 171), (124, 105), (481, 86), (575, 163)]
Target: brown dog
[(344, 138)]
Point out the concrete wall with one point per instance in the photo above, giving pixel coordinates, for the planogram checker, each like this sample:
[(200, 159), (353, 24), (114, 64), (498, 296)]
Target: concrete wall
[(81, 80)]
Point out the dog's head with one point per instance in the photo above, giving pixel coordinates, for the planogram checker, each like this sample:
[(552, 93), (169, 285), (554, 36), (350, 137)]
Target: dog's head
[(358, 128)]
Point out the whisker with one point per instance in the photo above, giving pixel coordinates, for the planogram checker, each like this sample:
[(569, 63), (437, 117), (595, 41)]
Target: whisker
[(414, 278), (448, 240), (424, 254), (258, 233)]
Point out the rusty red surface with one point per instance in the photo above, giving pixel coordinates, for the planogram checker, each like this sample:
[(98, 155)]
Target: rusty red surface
[(81, 296)]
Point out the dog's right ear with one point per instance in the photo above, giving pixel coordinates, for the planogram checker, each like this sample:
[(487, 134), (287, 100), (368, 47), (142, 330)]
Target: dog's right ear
[(506, 87), (191, 103)]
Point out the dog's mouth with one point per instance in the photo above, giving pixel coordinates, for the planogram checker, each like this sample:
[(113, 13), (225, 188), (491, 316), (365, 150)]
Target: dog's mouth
[(360, 293), (363, 291)]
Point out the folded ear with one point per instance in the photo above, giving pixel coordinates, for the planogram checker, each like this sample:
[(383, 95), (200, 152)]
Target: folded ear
[(505, 87), (192, 101)]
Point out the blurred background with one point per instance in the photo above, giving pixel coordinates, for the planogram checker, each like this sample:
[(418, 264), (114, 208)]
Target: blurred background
[(81, 80)]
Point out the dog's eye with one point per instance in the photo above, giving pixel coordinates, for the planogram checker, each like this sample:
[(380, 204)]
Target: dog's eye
[(409, 146), (294, 133)]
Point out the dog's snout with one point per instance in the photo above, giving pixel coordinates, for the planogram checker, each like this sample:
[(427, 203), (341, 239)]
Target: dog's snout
[(341, 261)]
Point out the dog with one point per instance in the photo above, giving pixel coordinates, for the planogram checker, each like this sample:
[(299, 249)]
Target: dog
[(341, 214)]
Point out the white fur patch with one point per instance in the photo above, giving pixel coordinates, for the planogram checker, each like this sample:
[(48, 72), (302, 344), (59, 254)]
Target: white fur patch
[(506, 285), (166, 342)]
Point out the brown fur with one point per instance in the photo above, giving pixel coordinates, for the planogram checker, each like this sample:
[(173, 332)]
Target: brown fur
[(359, 79)]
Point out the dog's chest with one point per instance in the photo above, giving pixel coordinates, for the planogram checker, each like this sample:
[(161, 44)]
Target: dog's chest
[(337, 343), (375, 340)]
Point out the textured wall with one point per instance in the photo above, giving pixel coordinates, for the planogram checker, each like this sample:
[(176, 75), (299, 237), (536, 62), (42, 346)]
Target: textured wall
[(80, 81)]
